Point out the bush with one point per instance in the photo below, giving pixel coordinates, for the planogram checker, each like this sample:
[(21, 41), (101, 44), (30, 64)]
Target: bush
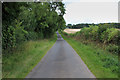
[(31, 36), (85, 32), (90, 32), (19, 32), (110, 35), (102, 33), (102, 28), (94, 32), (118, 39), (8, 39)]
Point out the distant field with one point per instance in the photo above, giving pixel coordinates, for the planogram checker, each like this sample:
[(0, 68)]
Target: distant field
[(71, 30), (74, 30)]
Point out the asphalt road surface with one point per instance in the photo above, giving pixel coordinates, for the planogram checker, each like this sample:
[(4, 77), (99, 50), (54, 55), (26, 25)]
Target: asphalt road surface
[(61, 61)]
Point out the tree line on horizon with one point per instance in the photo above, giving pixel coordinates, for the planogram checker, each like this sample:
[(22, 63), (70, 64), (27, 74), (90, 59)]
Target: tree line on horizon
[(82, 25)]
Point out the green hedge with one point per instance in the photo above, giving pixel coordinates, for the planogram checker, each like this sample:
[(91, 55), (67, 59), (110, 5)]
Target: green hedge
[(103, 34)]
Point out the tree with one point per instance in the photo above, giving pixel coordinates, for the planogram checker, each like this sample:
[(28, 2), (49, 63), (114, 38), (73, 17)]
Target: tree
[(30, 21)]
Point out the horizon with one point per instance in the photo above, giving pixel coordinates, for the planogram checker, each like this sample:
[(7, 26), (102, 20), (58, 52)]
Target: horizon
[(94, 23)]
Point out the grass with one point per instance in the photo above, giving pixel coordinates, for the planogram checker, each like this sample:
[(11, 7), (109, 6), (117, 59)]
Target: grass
[(101, 63), (0, 65), (25, 58)]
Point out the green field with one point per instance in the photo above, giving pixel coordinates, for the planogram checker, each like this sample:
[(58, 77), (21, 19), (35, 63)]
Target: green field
[(25, 58), (101, 63)]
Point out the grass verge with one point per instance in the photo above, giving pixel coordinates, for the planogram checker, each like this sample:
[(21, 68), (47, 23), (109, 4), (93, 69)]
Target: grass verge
[(100, 62), (25, 58)]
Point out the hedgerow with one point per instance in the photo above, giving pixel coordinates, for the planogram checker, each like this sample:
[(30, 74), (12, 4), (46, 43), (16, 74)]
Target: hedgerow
[(103, 33), (110, 35)]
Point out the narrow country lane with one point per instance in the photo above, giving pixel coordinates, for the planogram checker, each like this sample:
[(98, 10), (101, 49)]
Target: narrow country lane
[(61, 61)]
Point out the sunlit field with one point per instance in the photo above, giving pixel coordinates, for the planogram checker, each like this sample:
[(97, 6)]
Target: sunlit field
[(71, 30)]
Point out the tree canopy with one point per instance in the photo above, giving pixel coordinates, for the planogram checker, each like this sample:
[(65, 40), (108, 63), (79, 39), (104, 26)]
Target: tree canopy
[(24, 21)]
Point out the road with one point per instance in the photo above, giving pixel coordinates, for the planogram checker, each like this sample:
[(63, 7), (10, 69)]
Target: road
[(61, 61)]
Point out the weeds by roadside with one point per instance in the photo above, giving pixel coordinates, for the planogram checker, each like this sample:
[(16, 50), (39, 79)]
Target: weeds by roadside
[(25, 58), (99, 48)]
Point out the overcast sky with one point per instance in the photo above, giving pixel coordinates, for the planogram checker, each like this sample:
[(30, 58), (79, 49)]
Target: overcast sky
[(91, 11)]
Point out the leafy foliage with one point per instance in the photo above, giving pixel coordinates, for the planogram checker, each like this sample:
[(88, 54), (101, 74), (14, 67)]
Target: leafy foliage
[(110, 35), (103, 33), (29, 21)]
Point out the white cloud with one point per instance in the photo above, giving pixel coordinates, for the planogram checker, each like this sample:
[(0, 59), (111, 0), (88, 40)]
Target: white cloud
[(91, 12)]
